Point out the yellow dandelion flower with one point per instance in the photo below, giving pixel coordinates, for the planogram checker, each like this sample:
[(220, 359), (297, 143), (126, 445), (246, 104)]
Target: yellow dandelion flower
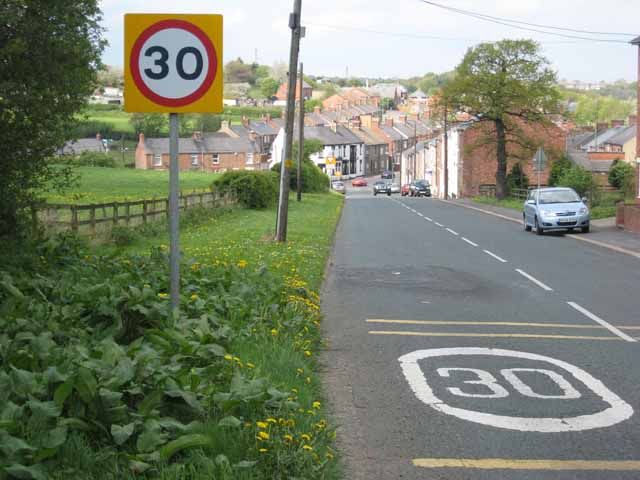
[(288, 438), (316, 404), (242, 263), (163, 295), (263, 436), (329, 455), (262, 424), (263, 450), (194, 297), (228, 357), (274, 332), (308, 448), (307, 353), (250, 365), (306, 437), (308, 380), (294, 390), (300, 371), (271, 420)]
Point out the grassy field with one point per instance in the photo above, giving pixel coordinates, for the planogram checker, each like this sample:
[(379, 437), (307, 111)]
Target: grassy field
[(97, 184), (118, 118)]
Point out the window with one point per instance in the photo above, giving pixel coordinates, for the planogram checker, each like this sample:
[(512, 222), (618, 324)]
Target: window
[(249, 158), (215, 158), (194, 160), (157, 160)]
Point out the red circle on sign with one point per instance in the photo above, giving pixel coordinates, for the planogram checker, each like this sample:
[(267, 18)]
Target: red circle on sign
[(166, 101)]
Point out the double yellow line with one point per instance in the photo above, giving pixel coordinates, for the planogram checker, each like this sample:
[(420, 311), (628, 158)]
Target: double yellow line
[(525, 464), (492, 335)]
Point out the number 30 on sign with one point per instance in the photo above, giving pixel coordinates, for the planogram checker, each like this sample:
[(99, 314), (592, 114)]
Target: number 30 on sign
[(173, 63)]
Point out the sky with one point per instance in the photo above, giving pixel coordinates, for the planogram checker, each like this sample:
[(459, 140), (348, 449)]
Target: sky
[(341, 35)]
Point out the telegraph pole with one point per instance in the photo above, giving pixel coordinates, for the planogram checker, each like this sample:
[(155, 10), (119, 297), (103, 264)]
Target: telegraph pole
[(415, 149), (446, 155), (300, 138), (285, 165)]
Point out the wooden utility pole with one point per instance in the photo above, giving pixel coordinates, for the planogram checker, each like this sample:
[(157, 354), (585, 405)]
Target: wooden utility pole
[(415, 150), (285, 165), (300, 138)]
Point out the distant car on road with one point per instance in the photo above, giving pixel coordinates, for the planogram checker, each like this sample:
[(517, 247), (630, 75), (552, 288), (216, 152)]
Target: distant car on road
[(387, 175), (420, 188), (359, 182), (395, 188), (547, 209), (404, 191), (381, 187), (338, 187)]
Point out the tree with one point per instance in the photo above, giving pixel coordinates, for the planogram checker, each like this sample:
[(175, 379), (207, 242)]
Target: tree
[(386, 103), (517, 178), (557, 170), (50, 56), (619, 172), (236, 71), (578, 178), (151, 124), (310, 105), (504, 83), (268, 87), (208, 122), (279, 71)]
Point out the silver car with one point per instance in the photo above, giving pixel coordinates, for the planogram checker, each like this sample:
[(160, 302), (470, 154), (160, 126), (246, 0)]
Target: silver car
[(338, 187), (395, 188), (549, 209)]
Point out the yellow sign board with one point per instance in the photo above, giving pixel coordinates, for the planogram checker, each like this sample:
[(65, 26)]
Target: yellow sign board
[(173, 63), (331, 160)]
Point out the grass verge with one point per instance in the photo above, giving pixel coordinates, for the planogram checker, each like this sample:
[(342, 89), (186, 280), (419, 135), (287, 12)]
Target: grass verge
[(103, 383)]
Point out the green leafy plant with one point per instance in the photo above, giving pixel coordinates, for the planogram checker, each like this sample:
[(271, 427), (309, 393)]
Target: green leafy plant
[(558, 168), (619, 172), (251, 189), (579, 179), (517, 178)]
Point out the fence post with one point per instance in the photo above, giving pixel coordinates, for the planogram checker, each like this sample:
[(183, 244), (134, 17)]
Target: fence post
[(74, 219), (144, 211), (127, 212), (92, 219), (115, 214)]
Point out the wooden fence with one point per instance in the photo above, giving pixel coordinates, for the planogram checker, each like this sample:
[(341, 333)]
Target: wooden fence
[(90, 218)]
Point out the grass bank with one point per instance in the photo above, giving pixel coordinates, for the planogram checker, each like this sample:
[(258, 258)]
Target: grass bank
[(103, 383), (98, 184)]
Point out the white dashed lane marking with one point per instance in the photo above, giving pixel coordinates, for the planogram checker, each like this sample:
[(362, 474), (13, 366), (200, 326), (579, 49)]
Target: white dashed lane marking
[(453, 232), (439, 224), (473, 244), (535, 280), (491, 254)]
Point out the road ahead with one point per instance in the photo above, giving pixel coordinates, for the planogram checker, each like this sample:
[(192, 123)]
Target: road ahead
[(461, 347)]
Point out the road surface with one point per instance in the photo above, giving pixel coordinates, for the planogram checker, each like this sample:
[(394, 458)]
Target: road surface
[(461, 347)]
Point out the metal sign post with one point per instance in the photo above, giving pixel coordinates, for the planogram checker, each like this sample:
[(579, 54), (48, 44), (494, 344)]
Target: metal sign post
[(174, 213), (540, 160), (173, 64)]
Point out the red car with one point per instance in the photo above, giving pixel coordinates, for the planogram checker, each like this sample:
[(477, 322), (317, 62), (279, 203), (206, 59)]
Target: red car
[(358, 182), (405, 190)]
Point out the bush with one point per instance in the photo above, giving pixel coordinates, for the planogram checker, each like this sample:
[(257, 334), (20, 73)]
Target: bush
[(95, 159), (619, 172), (123, 236), (558, 168), (251, 189), (313, 180), (579, 179), (517, 178)]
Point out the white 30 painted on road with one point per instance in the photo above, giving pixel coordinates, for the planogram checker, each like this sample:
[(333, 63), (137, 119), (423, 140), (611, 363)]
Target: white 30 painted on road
[(618, 409)]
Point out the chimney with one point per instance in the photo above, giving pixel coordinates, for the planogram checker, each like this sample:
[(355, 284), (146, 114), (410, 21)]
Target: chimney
[(98, 137), (617, 123), (633, 120), (602, 126), (334, 126), (141, 139), (245, 121), (388, 122), (317, 109), (197, 136)]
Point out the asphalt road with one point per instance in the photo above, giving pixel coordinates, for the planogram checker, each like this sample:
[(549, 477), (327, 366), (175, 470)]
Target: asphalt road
[(461, 347)]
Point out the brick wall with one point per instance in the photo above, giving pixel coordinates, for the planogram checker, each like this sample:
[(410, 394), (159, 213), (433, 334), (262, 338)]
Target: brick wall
[(227, 161), (479, 164)]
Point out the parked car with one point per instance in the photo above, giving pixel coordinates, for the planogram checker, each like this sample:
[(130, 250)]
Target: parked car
[(387, 175), (420, 188), (381, 187), (547, 209), (404, 191), (359, 182), (338, 187), (395, 188)]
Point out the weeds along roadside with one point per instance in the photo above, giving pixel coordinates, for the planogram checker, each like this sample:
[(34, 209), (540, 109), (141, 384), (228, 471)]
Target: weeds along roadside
[(101, 383)]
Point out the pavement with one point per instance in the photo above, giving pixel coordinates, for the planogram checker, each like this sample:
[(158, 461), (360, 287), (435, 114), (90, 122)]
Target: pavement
[(460, 347)]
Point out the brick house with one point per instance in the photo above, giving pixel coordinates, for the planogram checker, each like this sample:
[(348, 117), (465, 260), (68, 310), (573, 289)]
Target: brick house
[(471, 164), (217, 152), (307, 91), (77, 147), (376, 158)]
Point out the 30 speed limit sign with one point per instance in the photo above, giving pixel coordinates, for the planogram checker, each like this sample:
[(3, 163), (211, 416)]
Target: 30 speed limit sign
[(173, 63)]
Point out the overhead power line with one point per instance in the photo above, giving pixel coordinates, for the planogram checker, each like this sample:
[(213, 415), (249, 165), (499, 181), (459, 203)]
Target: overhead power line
[(517, 24)]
